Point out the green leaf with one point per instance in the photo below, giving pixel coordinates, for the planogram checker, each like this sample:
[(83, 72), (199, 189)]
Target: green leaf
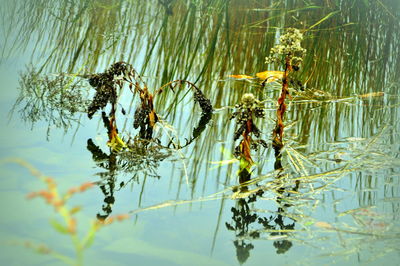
[(59, 227), (324, 18), (89, 238), (308, 223), (89, 241)]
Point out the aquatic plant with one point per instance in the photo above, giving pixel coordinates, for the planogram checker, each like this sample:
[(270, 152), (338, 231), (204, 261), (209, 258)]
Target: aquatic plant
[(199, 98), (289, 53), (108, 84), (58, 99), (361, 35), (245, 112), (55, 99), (183, 45)]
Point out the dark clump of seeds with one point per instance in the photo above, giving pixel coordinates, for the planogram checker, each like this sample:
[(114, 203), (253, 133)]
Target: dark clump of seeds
[(106, 85), (142, 120), (244, 112), (205, 104)]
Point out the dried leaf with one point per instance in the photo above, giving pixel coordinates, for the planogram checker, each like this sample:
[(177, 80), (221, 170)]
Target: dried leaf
[(241, 76), (372, 94), (75, 210), (245, 150), (116, 143), (153, 118), (323, 225), (270, 76)]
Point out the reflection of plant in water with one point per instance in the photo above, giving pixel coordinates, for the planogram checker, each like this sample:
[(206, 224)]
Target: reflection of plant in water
[(142, 153), (359, 229), (137, 156), (55, 100), (279, 229), (350, 75), (130, 155), (167, 4), (141, 156), (69, 224), (108, 162), (243, 218), (245, 222)]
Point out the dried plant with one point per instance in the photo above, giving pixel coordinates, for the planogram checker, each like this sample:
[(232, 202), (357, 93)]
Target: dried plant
[(289, 53), (248, 108), (108, 84), (200, 99), (54, 99)]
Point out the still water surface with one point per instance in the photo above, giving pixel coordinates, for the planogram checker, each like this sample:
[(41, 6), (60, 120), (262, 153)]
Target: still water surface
[(336, 198)]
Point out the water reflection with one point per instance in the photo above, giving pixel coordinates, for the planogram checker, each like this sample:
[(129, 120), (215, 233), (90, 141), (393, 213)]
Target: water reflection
[(341, 131), (246, 225), (366, 52), (57, 100), (241, 35), (142, 159), (246, 222), (107, 186)]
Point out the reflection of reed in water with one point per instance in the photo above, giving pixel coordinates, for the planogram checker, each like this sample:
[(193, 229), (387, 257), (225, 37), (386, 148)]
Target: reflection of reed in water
[(241, 33), (361, 56)]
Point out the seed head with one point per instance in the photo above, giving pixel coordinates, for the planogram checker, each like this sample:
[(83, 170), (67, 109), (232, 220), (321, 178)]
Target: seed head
[(248, 99)]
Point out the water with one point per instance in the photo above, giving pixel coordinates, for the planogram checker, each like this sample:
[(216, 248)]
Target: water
[(336, 197)]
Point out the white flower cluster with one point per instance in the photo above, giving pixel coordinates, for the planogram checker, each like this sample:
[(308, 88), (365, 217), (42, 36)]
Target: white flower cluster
[(289, 46)]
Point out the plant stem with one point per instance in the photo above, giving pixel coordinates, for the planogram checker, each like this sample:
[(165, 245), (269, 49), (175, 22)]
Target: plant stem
[(280, 112)]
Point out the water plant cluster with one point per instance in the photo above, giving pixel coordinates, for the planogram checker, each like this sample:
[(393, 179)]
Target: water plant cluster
[(108, 85), (248, 109), (291, 54), (128, 153), (55, 99), (141, 150)]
